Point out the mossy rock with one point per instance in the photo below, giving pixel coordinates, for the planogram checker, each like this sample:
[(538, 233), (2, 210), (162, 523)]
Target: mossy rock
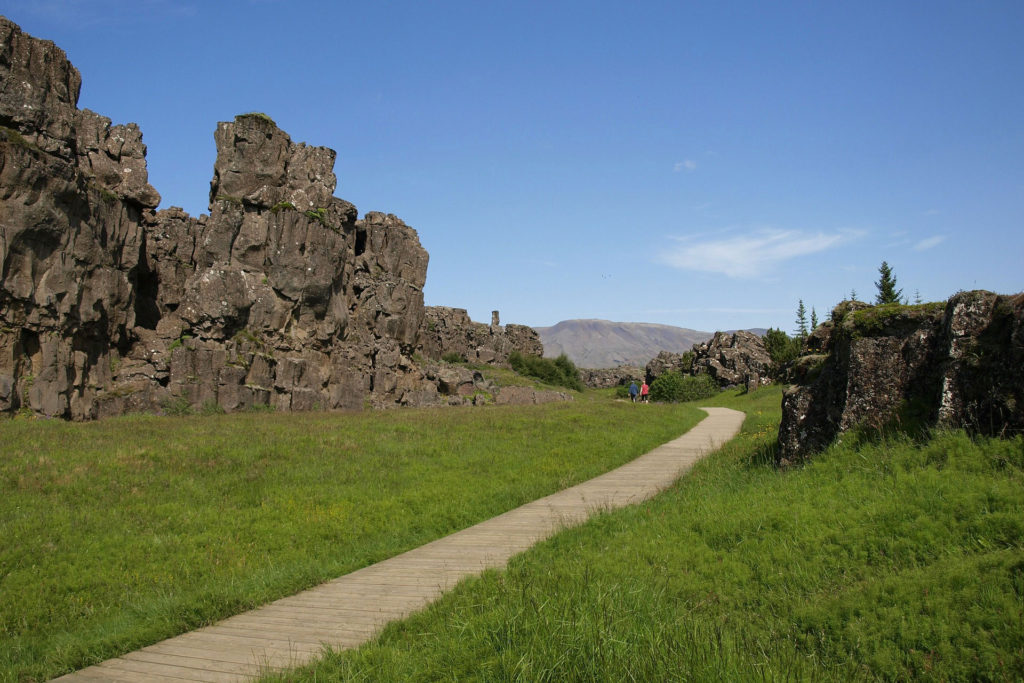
[(257, 116), (889, 319)]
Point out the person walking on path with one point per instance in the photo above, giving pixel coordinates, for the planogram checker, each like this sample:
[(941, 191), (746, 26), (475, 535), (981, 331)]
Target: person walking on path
[(633, 391), (644, 391)]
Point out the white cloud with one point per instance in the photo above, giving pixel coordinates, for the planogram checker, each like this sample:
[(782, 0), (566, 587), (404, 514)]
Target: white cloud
[(930, 242), (687, 165), (753, 254)]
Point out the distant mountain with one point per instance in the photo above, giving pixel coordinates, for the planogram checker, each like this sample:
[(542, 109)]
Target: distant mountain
[(606, 344), (759, 331)]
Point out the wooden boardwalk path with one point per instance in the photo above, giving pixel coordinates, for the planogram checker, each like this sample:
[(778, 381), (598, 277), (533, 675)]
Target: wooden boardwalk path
[(349, 611)]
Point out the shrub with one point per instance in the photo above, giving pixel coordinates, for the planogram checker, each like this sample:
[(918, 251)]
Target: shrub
[(177, 406), (686, 363), (211, 407), (673, 387), (282, 206), (180, 341), (560, 371), (453, 357)]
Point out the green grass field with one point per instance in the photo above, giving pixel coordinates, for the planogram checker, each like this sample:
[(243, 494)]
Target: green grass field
[(120, 533), (882, 559)]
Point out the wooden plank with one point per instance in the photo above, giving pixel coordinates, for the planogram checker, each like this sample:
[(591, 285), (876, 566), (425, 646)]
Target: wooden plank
[(322, 635), (95, 673), (210, 651), (353, 620), (146, 671), (269, 625), (189, 661), (258, 647)]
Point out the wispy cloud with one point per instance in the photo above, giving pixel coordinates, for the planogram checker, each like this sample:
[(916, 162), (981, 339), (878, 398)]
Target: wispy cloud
[(929, 242), (687, 165), (752, 254)]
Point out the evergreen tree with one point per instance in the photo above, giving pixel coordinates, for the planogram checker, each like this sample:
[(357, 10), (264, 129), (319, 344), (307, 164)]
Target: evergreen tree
[(853, 295), (887, 292), (917, 297), (814, 319), (801, 320), (780, 347)]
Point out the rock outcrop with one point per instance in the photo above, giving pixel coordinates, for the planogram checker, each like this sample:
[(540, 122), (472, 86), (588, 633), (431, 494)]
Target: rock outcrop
[(668, 361), (448, 330), (281, 296), (956, 364), (733, 359), (611, 377)]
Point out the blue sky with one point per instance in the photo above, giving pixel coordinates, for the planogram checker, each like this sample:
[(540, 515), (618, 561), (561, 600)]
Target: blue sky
[(701, 164)]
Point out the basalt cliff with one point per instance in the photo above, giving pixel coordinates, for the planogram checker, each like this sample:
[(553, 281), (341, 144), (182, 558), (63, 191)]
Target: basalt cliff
[(282, 296), (958, 363)]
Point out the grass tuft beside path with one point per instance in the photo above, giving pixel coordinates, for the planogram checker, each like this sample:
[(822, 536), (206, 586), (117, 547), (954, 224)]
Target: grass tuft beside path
[(120, 533), (880, 559)]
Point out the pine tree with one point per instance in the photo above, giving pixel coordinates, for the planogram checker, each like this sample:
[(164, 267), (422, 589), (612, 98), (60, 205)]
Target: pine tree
[(887, 292), (917, 297), (853, 295), (801, 320), (814, 319)]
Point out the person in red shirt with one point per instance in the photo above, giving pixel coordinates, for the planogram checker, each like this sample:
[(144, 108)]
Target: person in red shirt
[(644, 391)]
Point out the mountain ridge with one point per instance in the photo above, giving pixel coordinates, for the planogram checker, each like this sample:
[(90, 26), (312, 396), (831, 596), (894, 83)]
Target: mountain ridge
[(596, 343)]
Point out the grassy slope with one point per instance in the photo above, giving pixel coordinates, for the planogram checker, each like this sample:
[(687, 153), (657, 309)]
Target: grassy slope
[(879, 559), (122, 532)]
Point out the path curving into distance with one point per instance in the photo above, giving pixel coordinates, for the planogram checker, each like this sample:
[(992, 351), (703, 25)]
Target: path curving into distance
[(348, 611)]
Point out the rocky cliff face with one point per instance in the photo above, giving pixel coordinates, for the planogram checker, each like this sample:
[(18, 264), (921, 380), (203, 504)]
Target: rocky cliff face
[(957, 364), (281, 296)]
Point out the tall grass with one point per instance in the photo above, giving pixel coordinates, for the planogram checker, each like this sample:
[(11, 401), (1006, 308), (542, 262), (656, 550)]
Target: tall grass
[(882, 558), (119, 533)]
